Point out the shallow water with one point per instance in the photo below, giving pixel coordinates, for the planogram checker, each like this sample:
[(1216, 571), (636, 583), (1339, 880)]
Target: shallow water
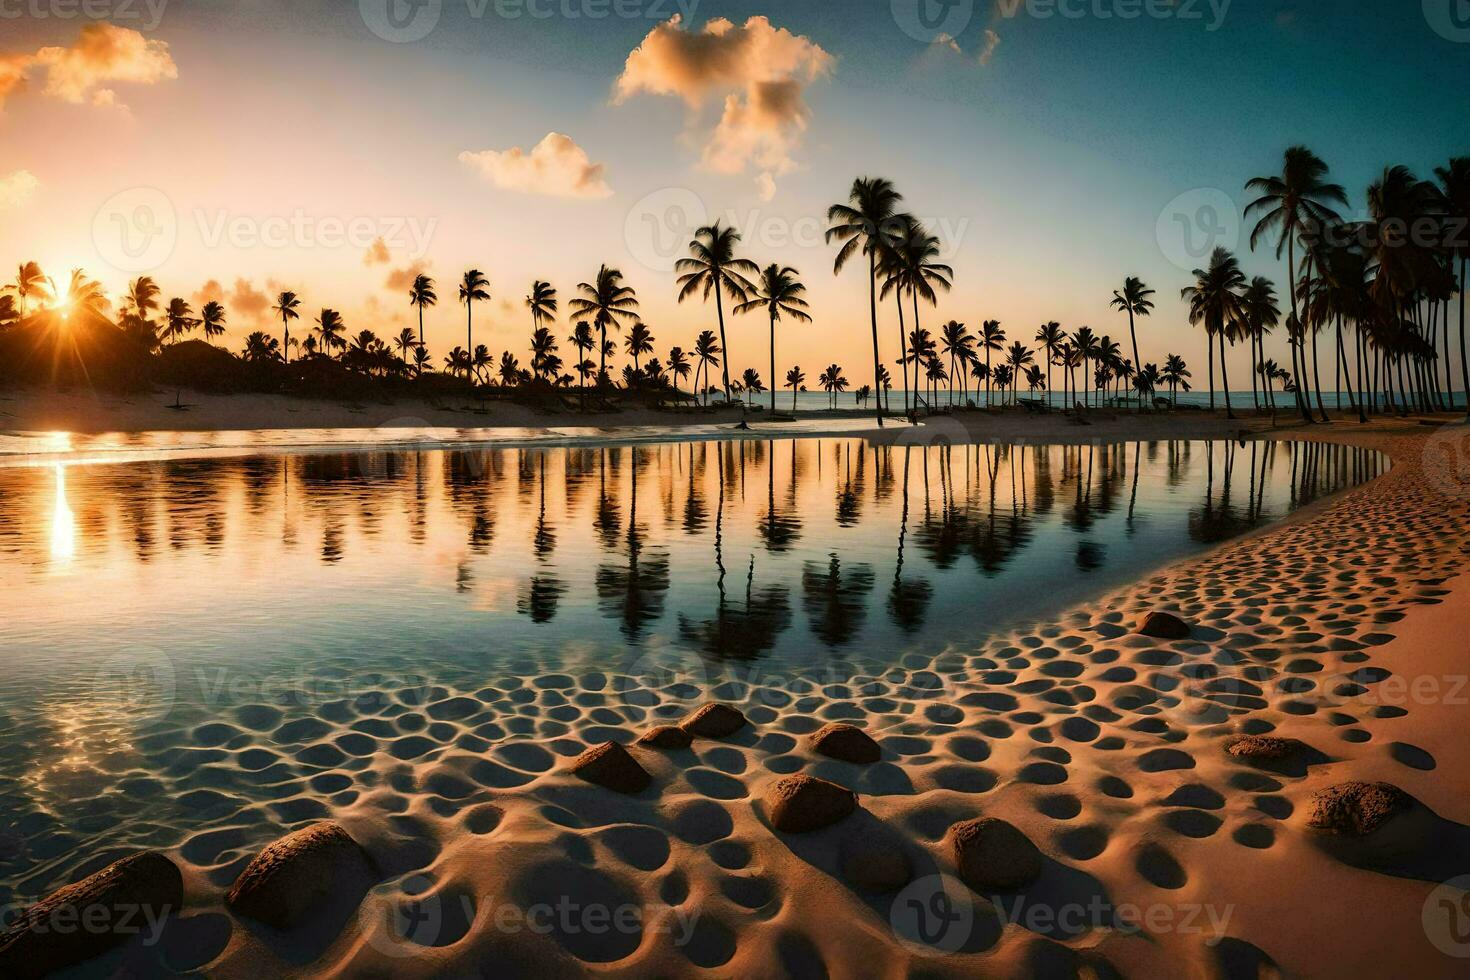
[(168, 620)]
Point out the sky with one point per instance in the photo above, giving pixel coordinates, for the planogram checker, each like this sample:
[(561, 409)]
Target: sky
[(231, 150)]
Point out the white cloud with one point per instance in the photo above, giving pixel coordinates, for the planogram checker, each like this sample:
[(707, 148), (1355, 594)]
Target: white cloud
[(555, 167), (756, 72), (992, 41), (17, 188)]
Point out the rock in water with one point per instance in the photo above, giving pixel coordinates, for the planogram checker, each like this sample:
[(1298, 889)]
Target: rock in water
[(86, 919), (798, 804), (846, 743), (714, 720), (1357, 809), (992, 855), (1164, 626), (613, 767), (293, 877), (666, 737)]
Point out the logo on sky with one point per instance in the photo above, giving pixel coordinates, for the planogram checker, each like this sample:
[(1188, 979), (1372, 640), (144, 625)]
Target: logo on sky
[(934, 913), (659, 227), (1446, 918), (136, 230), (1450, 19), (1196, 223), (924, 20), (401, 21)]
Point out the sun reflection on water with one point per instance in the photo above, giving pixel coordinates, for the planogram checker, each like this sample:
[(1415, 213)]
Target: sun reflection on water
[(63, 522)]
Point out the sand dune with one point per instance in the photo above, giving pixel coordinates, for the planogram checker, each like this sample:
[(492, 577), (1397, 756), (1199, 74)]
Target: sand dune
[(1160, 852)]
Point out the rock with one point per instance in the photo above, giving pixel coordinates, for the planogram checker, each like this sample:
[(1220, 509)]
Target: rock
[(1164, 626), (846, 743), (1262, 749), (992, 855), (295, 876), (874, 859), (798, 804), (666, 737), (85, 919), (1357, 809), (613, 767), (714, 720)]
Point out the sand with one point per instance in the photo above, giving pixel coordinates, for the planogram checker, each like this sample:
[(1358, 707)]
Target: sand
[(1160, 853)]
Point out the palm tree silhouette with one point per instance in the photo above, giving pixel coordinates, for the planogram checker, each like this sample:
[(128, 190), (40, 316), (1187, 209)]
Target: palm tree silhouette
[(832, 382), (472, 286), (331, 329), (795, 379), (287, 308), (751, 381), (1454, 183), (910, 264), (956, 342), (1214, 301), (1286, 203), (583, 341), (420, 295), (212, 319), (458, 362), (713, 267), (992, 338), (1176, 375), (779, 291), (1018, 357), (869, 222), (178, 320), (1261, 315), (707, 349), (509, 370), (608, 302), (404, 343), (542, 303), (31, 281), (260, 348), (482, 360), (639, 343), (679, 367), (1134, 299), (1084, 348), (1050, 337)]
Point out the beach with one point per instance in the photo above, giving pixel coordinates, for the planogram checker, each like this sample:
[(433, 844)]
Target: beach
[(1156, 850)]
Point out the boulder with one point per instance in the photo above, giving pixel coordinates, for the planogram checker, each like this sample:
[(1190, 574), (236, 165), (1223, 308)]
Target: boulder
[(613, 767), (846, 743), (1164, 626), (714, 720), (85, 919), (666, 737), (992, 855), (1356, 809), (874, 859), (1288, 756), (295, 876), (799, 804)]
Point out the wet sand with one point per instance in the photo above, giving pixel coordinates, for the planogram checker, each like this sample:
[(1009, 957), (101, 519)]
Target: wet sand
[(1160, 852)]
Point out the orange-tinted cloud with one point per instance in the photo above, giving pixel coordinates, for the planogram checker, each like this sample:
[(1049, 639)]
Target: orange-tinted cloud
[(401, 280), (377, 253), (17, 188), (758, 73), (555, 167), (102, 55)]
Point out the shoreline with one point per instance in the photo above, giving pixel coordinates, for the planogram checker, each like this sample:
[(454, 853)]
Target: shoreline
[(1116, 769)]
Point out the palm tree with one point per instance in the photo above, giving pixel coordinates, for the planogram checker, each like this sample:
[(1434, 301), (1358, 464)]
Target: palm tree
[(482, 360), (472, 286), (1214, 301), (1050, 336), (751, 381), (911, 263), (678, 366), (959, 346), (542, 303), (141, 297), (1454, 183), (1084, 347), (510, 370), (992, 338), (1003, 377), (260, 348), (712, 267), (833, 382), (1176, 375), (1261, 315), (331, 328), (708, 350), (795, 380), (1018, 357), (639, 344), (543, 351), (212, 319), (1134, 299), (583, 341), (83, 295), (420, 295), (608, 302), (31, 281), (779, 291), (1287, 204), (869, 222), (287, 308), (178, 320), (458, 362), (404, 343)]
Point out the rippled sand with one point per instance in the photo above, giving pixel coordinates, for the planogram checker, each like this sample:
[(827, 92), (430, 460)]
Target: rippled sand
[(1106, 748)]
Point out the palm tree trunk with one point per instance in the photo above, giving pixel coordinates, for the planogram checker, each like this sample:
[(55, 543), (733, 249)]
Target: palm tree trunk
[(1316, 376), (1225, 378), (725, 364), (1464, 361), (873, 314), (1301, 401), (774, 385), (1255, 372), (1209, 346), (903, 345), (1345, 375)]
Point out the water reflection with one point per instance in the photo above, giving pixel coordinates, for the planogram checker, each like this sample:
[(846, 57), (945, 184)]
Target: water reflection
[(731, 550)]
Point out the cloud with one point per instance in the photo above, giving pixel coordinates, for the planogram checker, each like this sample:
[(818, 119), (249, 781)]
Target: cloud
[(556, 167), (377, 254), (992, 41), (16, 189), (758, 73), (401, 280), (948, 43), (248, 302), (945, 44), (103, 54)]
